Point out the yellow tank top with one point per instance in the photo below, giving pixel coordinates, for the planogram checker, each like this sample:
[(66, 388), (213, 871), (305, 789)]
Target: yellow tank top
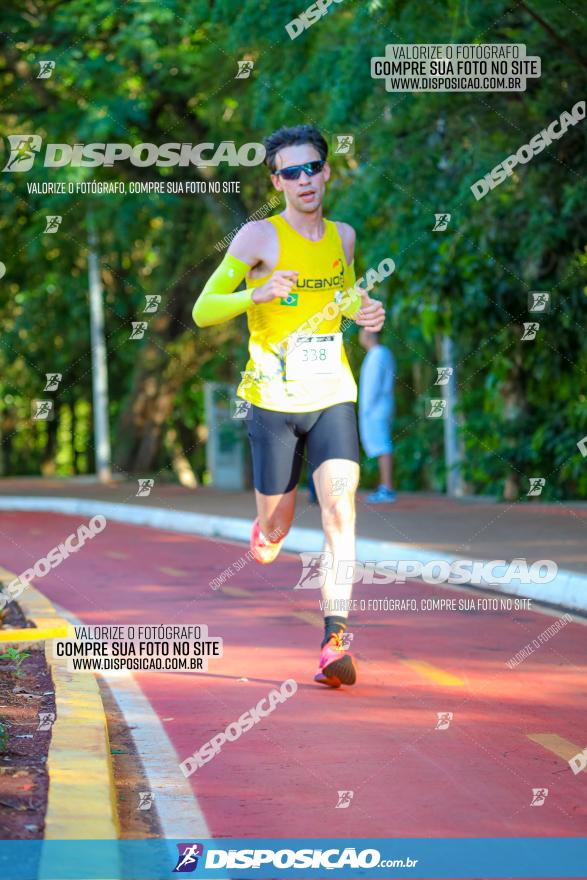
[(322, 275)]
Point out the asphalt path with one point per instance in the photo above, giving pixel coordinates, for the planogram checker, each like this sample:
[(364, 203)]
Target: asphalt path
[(412, 770)]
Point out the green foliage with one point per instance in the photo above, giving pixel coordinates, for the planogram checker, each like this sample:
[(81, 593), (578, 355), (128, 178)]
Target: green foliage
[(18, 656), (143, 72)]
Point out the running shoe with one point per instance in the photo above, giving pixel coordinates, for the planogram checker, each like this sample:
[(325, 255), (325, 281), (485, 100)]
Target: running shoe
[(263, 550), (336, 665), (382, 495)]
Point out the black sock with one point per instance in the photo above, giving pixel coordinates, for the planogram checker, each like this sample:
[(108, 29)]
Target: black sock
[(333, 624)]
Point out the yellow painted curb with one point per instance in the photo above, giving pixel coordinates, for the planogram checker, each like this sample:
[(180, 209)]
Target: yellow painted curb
[(82, 801), (60, 631)]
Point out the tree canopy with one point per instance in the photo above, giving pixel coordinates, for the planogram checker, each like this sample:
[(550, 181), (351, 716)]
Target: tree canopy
[(167, 72)]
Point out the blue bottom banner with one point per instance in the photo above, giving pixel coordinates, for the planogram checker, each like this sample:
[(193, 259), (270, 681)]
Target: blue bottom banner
[(227, 858)]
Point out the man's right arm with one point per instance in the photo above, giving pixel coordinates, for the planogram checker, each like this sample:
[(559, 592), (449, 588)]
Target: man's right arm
[(219, 301)]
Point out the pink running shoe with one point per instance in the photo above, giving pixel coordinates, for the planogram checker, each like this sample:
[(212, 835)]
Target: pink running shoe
[(263, 550), (336, 665)]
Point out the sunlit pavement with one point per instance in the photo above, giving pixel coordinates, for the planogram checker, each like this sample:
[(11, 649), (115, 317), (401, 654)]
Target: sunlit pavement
[(411, 770)]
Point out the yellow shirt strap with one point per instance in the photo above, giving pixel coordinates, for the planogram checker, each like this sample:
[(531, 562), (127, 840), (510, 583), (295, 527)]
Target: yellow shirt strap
[(351, 302), (218, 301)]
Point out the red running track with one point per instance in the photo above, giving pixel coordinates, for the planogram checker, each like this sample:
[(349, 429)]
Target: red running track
[(378, 739)]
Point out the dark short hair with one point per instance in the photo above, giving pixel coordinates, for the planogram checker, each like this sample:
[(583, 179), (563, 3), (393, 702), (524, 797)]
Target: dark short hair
[(292, 137)]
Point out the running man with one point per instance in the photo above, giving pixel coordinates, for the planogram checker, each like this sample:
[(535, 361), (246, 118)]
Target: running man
[(300, 277)]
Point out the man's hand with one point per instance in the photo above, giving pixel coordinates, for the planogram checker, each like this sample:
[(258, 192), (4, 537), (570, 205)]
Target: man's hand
[(279, 285), (371, 315)]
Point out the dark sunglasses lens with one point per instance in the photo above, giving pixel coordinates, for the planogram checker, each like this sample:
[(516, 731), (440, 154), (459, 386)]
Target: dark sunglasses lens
[(315, 167), (292, 173), (311, 168)]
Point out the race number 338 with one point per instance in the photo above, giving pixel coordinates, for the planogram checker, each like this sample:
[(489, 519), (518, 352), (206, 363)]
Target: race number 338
[(309, 356)]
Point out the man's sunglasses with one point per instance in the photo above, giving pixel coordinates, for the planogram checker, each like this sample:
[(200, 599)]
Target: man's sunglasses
[(294, 171)]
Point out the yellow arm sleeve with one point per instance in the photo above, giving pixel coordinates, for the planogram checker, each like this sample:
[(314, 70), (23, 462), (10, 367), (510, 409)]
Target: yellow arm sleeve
[(351, 294), (218, 302)]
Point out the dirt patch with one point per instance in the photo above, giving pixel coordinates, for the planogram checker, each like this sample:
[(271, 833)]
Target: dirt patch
[(26, 691), (137, 808)]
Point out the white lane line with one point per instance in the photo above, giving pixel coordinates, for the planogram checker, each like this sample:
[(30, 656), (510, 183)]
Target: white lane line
[(178, 809)]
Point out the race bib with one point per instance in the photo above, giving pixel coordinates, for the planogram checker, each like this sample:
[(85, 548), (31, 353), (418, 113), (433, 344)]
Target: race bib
[(314, 355)]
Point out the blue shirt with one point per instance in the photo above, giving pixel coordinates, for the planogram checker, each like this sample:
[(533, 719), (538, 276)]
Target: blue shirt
[(376, 383)]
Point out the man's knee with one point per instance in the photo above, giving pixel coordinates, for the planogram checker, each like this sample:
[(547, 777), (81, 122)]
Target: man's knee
[(338, 513)]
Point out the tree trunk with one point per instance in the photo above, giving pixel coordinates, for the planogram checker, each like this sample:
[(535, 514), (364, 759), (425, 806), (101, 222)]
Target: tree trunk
[(48, 461), (179, 460), (140, 429), (515, 408)]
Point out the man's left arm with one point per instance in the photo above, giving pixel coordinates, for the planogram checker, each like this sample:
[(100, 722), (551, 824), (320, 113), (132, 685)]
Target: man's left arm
[(368, 313)]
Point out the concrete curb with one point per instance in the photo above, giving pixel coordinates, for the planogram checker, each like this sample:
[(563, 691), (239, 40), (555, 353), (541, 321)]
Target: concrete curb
[(568, 589), (81, 802)]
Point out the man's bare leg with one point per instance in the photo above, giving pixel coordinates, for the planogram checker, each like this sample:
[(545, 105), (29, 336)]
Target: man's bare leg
[(385, 467), (276, 513), (336, 482)]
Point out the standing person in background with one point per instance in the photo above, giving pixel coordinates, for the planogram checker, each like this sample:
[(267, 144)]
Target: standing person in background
[(376, 411)]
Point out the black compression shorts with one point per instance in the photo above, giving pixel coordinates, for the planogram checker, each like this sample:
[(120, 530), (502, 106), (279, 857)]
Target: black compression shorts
[(278, 440)]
